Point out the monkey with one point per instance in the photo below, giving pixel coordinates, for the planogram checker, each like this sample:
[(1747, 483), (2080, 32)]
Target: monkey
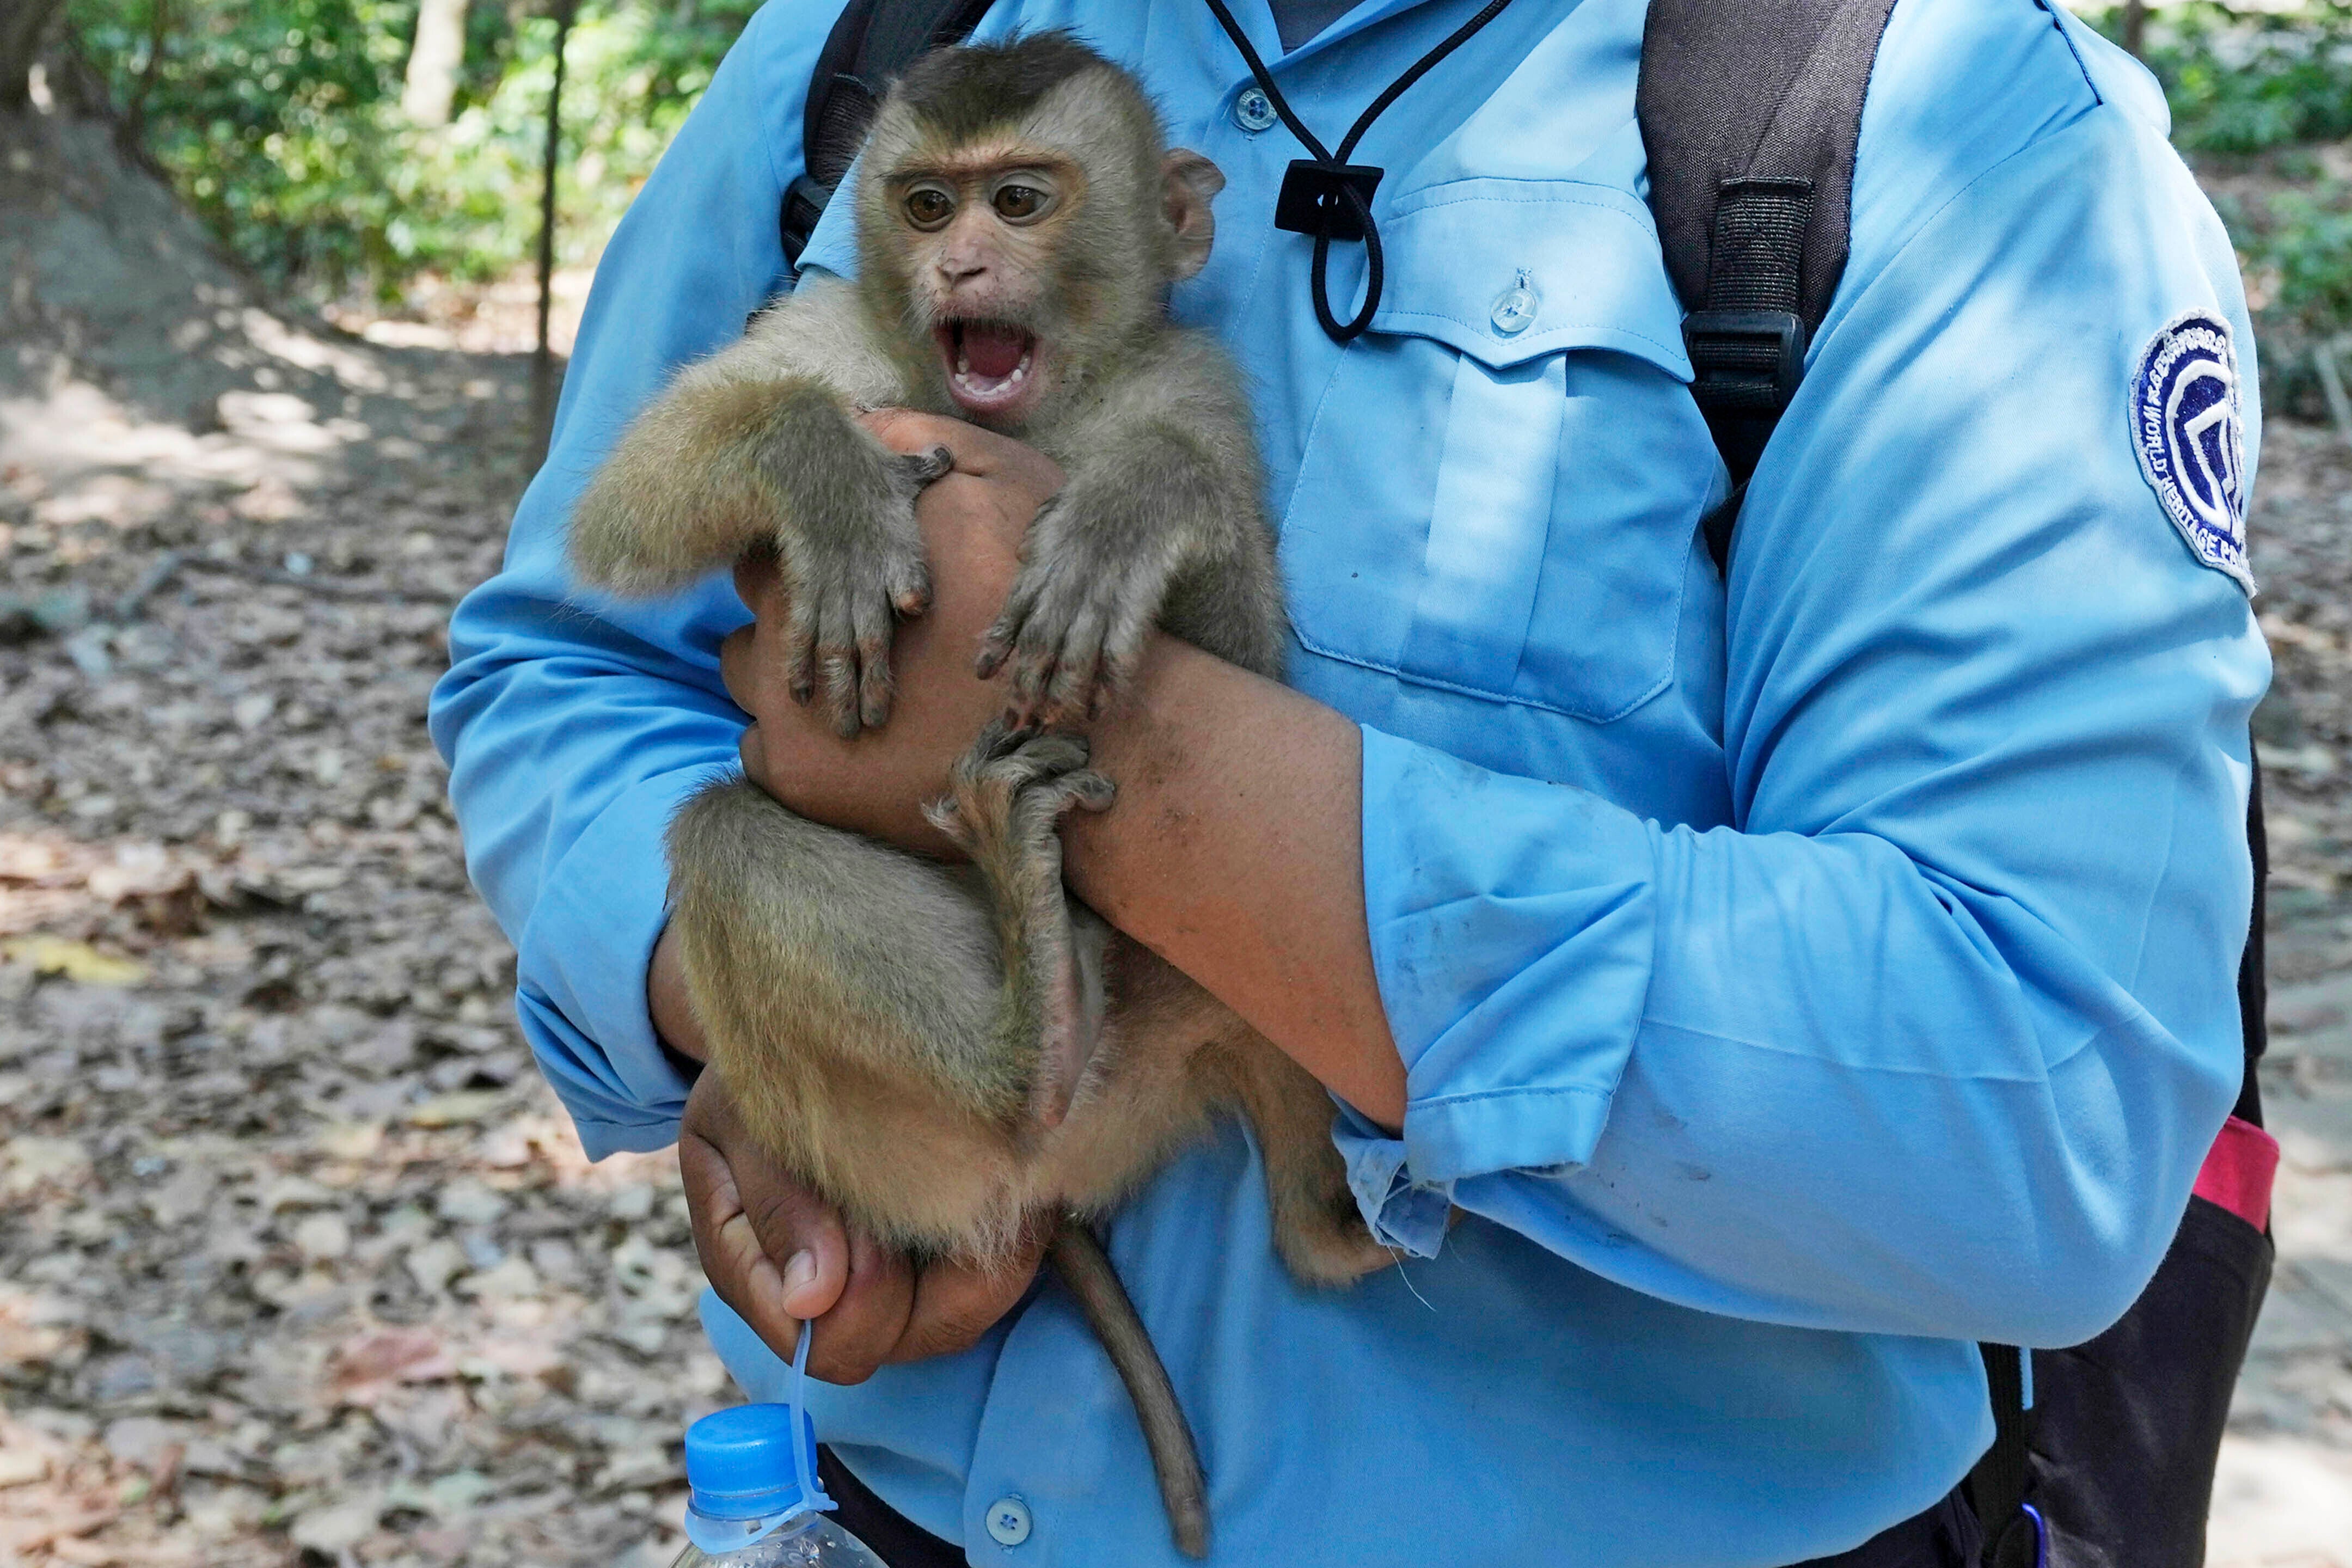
[(948, 1052)]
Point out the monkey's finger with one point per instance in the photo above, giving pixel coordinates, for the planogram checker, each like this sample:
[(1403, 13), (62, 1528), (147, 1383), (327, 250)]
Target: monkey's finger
[(870, 619), (800, 649), (996, 645), (975, 451), (1078, 670), (1035, 660), (836, 662), (910, 586), (921, 467)]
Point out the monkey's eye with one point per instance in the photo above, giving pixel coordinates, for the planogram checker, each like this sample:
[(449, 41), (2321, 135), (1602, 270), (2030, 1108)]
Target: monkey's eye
[(928, 206), (1019, 202)]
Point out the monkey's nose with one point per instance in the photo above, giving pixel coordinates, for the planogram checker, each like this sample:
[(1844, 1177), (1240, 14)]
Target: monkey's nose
[(961, 269)]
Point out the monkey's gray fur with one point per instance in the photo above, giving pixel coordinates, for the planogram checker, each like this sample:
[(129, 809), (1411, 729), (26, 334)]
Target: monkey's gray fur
[(946, 1052)]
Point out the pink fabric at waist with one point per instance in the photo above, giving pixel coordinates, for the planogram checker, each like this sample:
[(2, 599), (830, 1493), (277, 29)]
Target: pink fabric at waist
[(2238, 1171)]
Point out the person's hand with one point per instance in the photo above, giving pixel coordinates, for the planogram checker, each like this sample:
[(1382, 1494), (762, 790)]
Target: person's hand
[(877, 785), (780, 1257)]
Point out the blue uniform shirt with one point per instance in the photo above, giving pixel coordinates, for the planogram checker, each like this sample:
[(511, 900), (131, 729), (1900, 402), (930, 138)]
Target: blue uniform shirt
[(1800, 976)]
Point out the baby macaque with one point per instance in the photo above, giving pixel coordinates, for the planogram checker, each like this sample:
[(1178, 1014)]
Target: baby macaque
[(949, 1052)]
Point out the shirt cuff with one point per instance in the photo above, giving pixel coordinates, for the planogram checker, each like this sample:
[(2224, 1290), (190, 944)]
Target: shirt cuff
[(1512, 926), (581, 973)]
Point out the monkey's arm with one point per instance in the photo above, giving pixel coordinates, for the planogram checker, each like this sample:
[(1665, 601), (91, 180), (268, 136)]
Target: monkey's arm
[(754, 449), (1160, 521)]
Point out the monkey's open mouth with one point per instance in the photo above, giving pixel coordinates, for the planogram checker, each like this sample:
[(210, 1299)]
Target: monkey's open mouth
[(990, 365)]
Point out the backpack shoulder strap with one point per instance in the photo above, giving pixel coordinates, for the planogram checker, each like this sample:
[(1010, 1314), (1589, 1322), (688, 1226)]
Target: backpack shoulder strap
[(871, 42), (1750, 110)]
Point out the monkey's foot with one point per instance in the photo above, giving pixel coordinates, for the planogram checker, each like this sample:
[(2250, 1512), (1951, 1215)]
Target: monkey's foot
[(1006, 798), (1328, 1244)]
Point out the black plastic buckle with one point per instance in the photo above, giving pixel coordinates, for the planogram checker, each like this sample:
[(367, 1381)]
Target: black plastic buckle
[(1746, 357), (804, 204), (1311, 202)]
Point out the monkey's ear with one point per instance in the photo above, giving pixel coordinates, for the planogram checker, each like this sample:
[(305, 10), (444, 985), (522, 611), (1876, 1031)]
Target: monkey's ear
[(1193, 182)]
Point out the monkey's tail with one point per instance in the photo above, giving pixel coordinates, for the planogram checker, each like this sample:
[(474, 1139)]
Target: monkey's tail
[(1083, 1265)]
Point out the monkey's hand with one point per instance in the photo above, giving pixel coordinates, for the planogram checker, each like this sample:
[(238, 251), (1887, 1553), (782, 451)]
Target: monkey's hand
[(1094, 570), (854, 558)]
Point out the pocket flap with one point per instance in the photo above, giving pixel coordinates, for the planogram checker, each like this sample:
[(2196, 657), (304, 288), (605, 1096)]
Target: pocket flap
[(1510, 271)]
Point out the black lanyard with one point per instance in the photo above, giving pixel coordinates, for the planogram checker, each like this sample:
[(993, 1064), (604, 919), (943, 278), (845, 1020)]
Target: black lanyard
[(1328, 196)]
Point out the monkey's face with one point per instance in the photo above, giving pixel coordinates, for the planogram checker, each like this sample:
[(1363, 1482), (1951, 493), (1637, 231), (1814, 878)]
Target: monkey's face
[(1020, 220), (986, 235)]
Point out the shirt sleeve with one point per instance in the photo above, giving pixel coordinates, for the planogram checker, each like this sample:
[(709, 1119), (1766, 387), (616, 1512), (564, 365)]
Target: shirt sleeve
[(1933, 1040), (574, 725)]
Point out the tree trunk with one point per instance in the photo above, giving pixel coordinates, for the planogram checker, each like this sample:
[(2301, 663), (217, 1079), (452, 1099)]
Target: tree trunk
[(543, 381), (435, 57), (131, 131), (2134, 25), (24, 23)]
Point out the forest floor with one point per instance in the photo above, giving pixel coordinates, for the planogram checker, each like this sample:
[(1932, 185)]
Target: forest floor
[(299, 1262)]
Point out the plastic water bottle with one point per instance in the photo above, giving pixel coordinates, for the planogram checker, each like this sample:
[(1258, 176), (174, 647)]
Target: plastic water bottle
[(755, 1500)]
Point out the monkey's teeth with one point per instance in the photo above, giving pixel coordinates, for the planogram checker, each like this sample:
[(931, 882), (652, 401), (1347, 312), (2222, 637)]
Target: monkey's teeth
[(963, 364)]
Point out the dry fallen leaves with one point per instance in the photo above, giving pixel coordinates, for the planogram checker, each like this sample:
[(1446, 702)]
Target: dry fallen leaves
[(299, 1261)]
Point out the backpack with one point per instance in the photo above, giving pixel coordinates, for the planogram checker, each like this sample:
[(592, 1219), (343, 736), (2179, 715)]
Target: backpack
[(1751, 110)]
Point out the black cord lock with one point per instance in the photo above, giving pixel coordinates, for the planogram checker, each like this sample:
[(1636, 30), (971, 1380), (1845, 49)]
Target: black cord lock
[(1314, 198), (1746, 361)]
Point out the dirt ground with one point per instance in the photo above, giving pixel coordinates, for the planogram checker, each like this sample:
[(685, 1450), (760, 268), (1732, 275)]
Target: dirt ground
[(299, 1261)]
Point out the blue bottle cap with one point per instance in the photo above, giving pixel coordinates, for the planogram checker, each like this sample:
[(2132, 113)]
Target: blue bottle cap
[(741, 1464)]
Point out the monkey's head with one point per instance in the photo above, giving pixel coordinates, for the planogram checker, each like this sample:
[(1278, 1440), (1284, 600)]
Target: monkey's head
[(1020, 220)]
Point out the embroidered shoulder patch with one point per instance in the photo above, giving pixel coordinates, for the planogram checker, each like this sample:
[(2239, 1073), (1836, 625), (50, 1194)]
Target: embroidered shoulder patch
[(2186, 426)]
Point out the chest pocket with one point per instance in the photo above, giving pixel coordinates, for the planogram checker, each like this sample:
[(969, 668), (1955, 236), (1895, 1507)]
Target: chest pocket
[(1499, 491)]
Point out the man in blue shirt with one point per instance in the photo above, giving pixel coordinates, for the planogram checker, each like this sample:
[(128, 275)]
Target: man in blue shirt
[(1793, 977)]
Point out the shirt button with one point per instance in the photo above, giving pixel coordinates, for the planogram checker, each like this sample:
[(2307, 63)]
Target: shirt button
[(1252, 110), (1008, 1522), (1515, 309)]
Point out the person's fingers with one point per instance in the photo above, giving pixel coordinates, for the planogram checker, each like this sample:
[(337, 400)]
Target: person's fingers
[(739, 666), (956, 1303), (801, 1234), (752, 750), (857, 1333), (733, 1257), (756, 581)]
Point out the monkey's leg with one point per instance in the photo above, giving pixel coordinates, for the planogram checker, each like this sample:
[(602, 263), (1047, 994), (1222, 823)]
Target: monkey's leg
[(1317, 1228), (725, 463), (1079, 1259), (850, 993), (1006, 800)]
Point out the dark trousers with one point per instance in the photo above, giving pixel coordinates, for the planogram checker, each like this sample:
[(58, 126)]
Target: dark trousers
[(1943, 1537)]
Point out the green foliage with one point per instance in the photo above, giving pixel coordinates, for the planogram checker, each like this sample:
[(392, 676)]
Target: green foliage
[(2246, 79), (2297, 249), (281, 121), (2257, 97)]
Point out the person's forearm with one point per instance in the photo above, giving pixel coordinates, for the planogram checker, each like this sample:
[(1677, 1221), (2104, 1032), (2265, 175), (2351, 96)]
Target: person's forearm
[(1235, 852)]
